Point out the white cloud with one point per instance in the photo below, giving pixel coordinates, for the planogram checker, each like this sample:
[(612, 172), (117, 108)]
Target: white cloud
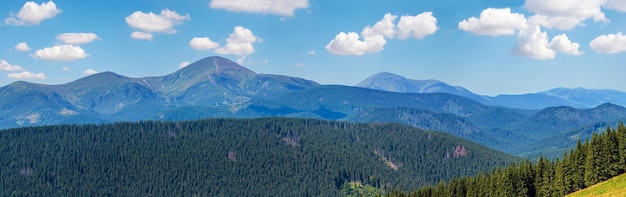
[(22, 46), (417, 26), (77, 38), (385, 27), (89, 72), (619, 5), (65, 68), (183, 64), (610, 43), (61, 53), (239, 42), (562, 44), (311, 52), (139, 35), (299, 64), (494, 22), (203, 43), (5, 66), (278, 7), (373, 38), (533, 43), (27, 75), (564, 14), (33, 13), (150, 23), (349, 44)]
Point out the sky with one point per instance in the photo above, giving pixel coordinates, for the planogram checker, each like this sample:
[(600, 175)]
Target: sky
[(490, 47)]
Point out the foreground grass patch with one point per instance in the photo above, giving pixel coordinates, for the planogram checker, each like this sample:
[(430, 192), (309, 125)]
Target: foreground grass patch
[(612, 187)]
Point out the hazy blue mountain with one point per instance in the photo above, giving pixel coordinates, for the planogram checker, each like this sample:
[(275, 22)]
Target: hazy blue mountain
[(577, 98), (336, 102), (589, 97), (217, 87), (213, 86), (396, 83), (555, 146), (556, 120)]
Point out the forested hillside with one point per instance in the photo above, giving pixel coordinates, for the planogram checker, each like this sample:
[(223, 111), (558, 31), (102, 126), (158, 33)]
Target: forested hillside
[(594, 161), (231, 157)]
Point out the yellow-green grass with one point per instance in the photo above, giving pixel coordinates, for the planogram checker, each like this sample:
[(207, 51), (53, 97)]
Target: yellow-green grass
[(615, 186)]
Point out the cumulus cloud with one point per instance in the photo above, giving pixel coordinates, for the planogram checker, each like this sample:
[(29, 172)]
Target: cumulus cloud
[(311, 52), (610, 43), (417, 26), (533, 43), (139, 35), (203, 43), (183, 64), (61, 53), (619, 5), (5, 66), (385, 27), (565, 14), (149, 23), (22, 46), (33, 13), (284, 8), (77, 38), (494, 22), (27, 75), (239, 42), (350, 44), (562, 44), (89, 72), (65, 68)]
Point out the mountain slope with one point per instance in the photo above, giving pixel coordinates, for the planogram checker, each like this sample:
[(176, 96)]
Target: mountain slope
[(214, 84), (396, 83), (556, 120), (611, 187), (589, 97), (577, 97), (231, 157)]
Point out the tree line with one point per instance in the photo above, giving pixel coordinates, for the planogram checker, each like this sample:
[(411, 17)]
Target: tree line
[(592, 161), (231, 157)]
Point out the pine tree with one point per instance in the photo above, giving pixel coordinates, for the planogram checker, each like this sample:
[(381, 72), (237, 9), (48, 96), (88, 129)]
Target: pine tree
[(591, 170), (578, 165), (611, 144), (621, 133)]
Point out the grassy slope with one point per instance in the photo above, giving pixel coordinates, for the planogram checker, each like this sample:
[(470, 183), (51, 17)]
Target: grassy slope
[(615, 186)]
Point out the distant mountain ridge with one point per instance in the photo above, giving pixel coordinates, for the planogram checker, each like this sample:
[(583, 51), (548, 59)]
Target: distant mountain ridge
[(216, 87), (576, 97), (214, 82)]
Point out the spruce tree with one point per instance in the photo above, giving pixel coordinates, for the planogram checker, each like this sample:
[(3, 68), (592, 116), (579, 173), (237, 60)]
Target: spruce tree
[(621, 133), (591, 173)]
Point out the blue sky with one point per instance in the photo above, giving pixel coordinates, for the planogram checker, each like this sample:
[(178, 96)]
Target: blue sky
[(488, 46)]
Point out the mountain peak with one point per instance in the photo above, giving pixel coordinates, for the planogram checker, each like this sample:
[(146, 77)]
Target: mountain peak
[(211, 69), (215, 64)]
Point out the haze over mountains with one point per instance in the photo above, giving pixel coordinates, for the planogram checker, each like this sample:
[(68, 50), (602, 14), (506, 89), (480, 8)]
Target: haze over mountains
[(576, 97), (218, 87)]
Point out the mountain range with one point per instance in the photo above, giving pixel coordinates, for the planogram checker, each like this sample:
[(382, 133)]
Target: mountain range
[(218, 87), (576, 97)]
